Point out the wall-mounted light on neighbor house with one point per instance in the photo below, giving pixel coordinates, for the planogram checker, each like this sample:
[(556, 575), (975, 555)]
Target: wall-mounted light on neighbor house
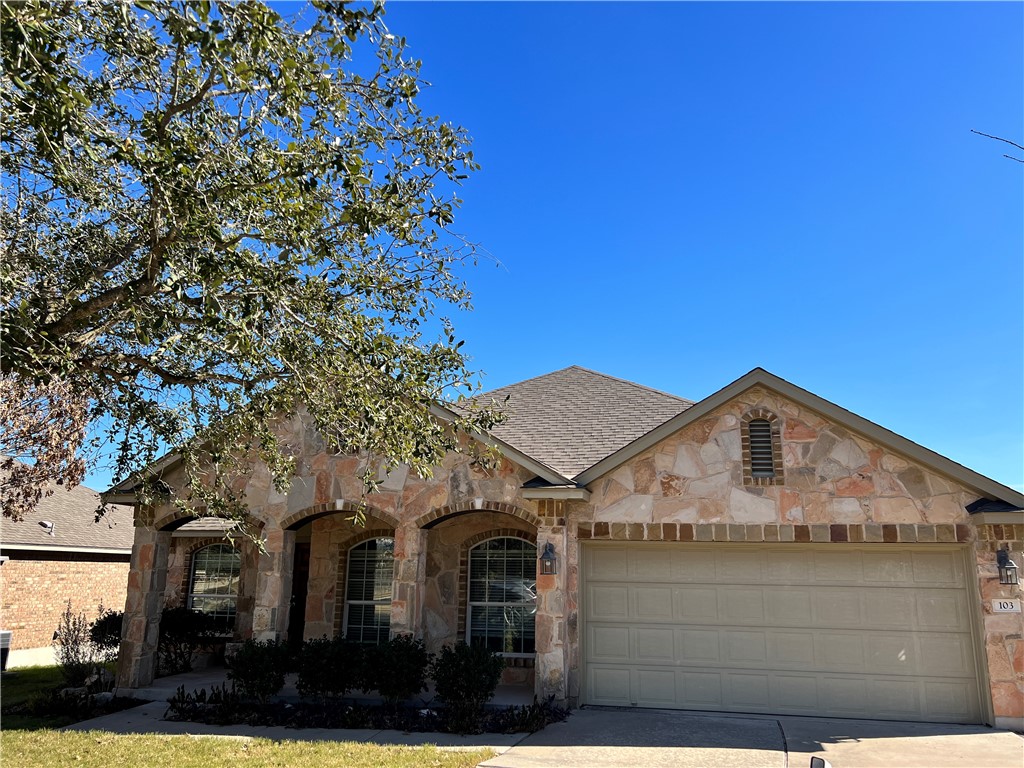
[(548, 564), (1007, 568)]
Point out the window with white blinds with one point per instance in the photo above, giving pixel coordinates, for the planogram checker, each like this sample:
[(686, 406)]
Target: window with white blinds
[(502, 596), (371, 569)]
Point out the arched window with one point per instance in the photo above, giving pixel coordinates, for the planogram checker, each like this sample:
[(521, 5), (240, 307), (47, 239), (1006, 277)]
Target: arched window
[(371, 569), (762, 448), (502, 596), (213, 582)]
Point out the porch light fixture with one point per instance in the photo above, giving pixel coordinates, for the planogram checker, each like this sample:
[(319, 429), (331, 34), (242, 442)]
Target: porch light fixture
[(547, 560), (1007, 568)]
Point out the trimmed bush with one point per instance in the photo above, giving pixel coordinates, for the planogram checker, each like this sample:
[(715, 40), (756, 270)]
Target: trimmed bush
[(396, 669), (329, 667), (183, 631), (465, 678), (258, 668)]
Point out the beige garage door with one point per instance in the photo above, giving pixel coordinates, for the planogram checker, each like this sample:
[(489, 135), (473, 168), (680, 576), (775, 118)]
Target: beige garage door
[(844, 632)]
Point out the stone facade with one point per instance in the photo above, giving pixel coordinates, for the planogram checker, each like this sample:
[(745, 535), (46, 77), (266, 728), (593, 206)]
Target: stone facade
[(831, 486)]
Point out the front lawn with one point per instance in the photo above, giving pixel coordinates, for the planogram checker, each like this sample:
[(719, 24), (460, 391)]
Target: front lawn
[(29, 700), (97, 749)]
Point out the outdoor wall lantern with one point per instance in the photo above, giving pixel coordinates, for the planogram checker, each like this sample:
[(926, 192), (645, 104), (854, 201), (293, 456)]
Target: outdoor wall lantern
[(1007, 568), (548, 563)]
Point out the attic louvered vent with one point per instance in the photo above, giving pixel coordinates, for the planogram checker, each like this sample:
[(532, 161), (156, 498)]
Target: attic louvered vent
[(762, 460)]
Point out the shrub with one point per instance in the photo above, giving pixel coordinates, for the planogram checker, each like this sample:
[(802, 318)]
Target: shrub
[(257, 668), (105, 634), (182, 632), (396, 669), (465, 678), (329, 667), (74, 650)]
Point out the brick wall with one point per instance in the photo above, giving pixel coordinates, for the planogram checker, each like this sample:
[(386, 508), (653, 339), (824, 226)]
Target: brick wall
[(35, 588)]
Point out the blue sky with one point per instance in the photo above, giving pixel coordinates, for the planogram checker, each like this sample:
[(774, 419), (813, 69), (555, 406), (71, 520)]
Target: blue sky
[(676, 193)]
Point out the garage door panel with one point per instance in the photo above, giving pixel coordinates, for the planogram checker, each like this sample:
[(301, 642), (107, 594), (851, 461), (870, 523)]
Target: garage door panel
[(946, 655), (653, 566), (933, 568), (795, 693), (747, 690), (656, 687), (837, 567), (819, 630), (940, 611), (609, 685), (696, 605), (698, 646), (788, 567), (838, 607), (608, 643), (608, 602), (694, 567), (745, 648), (655, 644), (788, 606)]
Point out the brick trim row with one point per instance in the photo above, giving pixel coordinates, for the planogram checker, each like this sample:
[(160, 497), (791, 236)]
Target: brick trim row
[(839, 533), (432, 518)]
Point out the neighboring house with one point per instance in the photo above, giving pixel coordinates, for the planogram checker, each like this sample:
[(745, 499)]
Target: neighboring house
[(761, 550), (56, 554)]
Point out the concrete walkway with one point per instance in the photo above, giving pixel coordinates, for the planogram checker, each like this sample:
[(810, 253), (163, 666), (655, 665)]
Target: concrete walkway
[(610, 738)]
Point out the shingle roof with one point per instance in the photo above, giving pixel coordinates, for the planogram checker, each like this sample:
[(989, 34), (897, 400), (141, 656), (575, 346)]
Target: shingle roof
[(572, 418), (73, 516)]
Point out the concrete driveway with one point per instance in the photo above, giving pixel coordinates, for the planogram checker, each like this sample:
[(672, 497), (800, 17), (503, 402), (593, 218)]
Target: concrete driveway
[(608, 738)]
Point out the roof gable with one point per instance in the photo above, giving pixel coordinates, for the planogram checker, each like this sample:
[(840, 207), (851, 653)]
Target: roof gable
[(573, 418), (985, 486)]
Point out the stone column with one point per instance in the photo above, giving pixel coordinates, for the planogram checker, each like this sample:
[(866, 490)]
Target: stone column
[(273, 585), (321, 597), (410, 580), (140, 634), (247, 579), (552, 645)]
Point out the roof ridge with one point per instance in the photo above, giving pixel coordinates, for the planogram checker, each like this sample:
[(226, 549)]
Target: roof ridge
[(633, 384), (524, 381)]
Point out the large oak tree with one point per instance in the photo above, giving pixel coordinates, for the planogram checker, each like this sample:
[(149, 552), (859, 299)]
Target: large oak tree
[(214, 216)]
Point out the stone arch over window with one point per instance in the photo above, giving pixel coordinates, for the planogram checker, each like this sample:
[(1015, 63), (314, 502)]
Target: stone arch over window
[(300, 518), (174, 520), (214, 575), (341, 592), (436, 516), (761, 444)]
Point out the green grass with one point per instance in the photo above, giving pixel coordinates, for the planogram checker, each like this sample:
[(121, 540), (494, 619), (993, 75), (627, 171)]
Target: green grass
[(97, 749), (19, 687)]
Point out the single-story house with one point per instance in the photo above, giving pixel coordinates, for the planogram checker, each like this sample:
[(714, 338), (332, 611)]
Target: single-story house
[(55, 554), (761, 550)]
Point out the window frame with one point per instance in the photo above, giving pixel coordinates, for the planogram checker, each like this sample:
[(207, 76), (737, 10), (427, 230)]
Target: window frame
[(531, 604), (381, 601), (195, 559)]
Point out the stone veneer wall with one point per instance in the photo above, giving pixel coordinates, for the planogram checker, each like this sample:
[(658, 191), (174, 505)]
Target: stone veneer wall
[(838, 487)]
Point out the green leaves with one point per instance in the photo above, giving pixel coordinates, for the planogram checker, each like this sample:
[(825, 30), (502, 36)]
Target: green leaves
[(216, 220)]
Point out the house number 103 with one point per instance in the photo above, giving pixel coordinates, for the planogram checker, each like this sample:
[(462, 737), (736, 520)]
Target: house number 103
[(1006, 606)]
